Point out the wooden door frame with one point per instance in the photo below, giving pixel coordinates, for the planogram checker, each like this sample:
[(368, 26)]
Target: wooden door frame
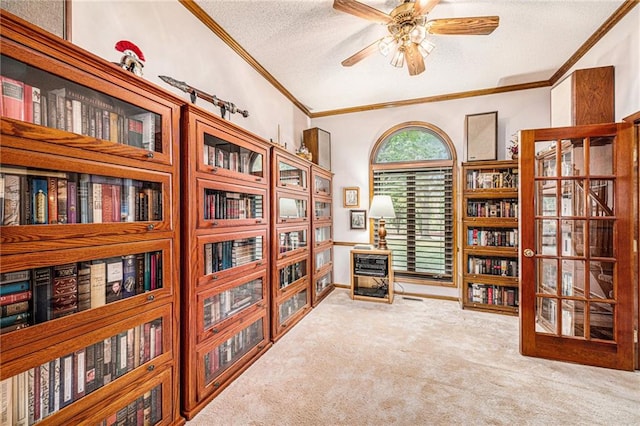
[(635, 119)]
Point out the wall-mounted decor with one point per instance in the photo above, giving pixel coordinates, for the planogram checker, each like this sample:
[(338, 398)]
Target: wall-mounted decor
[(358, 219), (351, 197), (482, 136)]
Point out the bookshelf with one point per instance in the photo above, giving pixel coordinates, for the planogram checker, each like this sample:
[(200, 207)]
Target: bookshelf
[(291, 228), (225, 274), (322, 236), (372, 275), (490, 236), (89, 242)]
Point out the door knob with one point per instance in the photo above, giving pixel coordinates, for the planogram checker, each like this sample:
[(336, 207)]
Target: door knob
[(528, 253)]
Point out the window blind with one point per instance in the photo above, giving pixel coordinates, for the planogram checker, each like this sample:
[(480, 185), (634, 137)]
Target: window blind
[(421, 235)]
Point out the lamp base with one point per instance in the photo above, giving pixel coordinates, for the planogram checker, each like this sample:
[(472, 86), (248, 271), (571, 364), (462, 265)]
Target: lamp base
[(382, 235)]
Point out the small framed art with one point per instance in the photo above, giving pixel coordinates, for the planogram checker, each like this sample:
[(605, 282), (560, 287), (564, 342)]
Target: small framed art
[(482, 136), (358, 219), (351, 197)]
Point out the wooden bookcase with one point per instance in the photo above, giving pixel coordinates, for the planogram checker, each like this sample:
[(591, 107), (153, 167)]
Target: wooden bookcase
[(225, 227), (322, 235), (98, 255), (372, 275), (291, 266), (490, 236)]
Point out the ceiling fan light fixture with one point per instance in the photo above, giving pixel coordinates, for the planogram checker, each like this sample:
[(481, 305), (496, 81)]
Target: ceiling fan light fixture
[(417, 34), (425, 48), (398, 58), (386, 45)]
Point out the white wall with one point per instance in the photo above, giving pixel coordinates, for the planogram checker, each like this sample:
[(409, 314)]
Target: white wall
[(353, 136), (620, 47), (177, 44)]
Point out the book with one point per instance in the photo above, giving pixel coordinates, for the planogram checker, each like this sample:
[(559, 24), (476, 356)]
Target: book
[(64, 297), (36, 99), (20, 399), (42, 287), (62, 200), (72, 199), (27, 114), (90, 369), (84, 286), (11, 205), (14, 319), (15, 298), (52, 203), (6, 401), (40, 203), (129, 276), (135, 132), (96, 203), (14, 308), (85, 199), (44, 390), (98, 283), (114, 279), (66, 380), (13, 276), (79, 369), (148, 120), (15, 287), (12, 98)]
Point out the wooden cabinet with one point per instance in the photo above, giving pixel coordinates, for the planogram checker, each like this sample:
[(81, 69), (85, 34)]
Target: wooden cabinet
[(586, 96), (322, 235), (490, 236), (226, 237), (89, 243), (372, 275), (291, 269), (318, 142)]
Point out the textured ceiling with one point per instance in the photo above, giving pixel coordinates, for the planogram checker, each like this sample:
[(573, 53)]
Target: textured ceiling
[(301, 43)]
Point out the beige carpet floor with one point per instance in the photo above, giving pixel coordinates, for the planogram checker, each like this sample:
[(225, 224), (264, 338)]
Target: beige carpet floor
[(416, 363)]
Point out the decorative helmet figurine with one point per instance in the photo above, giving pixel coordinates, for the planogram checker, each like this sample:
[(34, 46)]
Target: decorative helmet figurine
[(132, 59)]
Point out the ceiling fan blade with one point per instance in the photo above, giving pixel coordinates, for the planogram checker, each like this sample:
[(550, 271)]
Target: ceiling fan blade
[(478, 25), (361, 10), (357, 57), (414, 60), (422, 7)]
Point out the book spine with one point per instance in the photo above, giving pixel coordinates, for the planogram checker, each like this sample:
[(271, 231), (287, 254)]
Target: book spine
[(115, 274), (12, 98), (129, 276), (17, 287), (40, 189), (65, 290), (62, 200), (72, 199), (11, 200), (15, 298)]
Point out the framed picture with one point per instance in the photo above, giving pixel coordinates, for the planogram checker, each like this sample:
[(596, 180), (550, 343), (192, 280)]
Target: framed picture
[(351, 197), (482, 136), (358, 219)]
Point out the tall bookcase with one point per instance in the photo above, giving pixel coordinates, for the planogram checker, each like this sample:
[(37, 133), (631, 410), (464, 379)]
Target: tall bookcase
[(291, 227), (490, 236), (322, 235), (225, 266), (89, 245)]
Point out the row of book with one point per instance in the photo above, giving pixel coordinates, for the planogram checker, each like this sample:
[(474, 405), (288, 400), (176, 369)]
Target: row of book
[(292, 273), (289, 175), (292, 305), (82, 112), (492, 208), (237, 161), (492, 266), (292, 240), (492, 237), (323, 258), (229, 254), (324, 282), (38, 197), (233, 348), (143, 411), (231, 205), (477, 179), (34, 296), (227, 303), (43, 390), (492, 294)]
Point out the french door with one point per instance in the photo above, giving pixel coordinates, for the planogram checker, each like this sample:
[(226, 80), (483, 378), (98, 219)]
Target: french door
[(576, 221)]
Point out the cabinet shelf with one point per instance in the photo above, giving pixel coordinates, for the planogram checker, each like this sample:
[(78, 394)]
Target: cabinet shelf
[(490, 236), (102, 271)]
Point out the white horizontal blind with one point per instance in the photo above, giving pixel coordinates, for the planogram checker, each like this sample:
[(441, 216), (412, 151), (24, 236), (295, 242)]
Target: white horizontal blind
[(421, 235)]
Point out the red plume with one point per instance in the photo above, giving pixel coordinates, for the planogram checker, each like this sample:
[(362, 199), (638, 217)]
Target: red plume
[(123, 45)]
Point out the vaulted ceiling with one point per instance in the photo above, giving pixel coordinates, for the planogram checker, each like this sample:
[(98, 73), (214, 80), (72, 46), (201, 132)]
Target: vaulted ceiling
[(299, 45)]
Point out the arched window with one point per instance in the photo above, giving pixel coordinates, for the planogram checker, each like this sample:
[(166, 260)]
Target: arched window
[(414, 163)]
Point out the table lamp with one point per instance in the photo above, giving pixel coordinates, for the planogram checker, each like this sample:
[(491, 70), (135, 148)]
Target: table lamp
[(381, 208)]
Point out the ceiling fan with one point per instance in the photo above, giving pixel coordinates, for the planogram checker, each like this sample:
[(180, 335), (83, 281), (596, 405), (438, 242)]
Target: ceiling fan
[(408, 27)]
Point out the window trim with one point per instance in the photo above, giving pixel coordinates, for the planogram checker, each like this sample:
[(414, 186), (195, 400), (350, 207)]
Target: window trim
[(453, 163)]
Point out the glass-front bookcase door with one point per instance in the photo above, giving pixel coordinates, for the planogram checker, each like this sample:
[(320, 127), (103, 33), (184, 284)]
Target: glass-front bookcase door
[(576, 245)]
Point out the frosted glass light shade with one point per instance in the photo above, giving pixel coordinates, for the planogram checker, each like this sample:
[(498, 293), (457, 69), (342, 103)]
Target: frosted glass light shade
[(382, 207)]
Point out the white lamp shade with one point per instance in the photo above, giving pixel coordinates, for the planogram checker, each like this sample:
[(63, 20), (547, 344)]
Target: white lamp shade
[(382, 207)]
